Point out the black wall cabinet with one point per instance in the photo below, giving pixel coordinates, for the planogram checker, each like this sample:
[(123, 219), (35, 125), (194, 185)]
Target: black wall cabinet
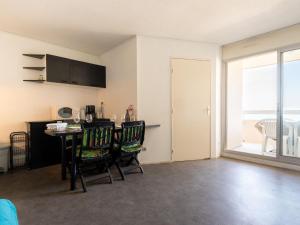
[(58, 69), (62, 70)]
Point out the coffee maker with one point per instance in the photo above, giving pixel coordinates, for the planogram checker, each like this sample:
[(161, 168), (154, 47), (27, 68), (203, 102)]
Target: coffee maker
[(90, 109)]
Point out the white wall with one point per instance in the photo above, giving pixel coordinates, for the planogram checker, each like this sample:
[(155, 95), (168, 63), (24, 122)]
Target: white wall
[(154, 90), (138, 72), (121, 68), (24, 101)]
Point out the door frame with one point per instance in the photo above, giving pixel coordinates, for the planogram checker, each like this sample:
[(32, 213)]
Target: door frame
[(213, 117)]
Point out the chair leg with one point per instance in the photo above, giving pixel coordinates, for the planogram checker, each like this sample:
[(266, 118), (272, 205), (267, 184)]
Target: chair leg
[(110, 176), (108, 171), (289, 146), (296, 147), (120, 170), (130, 161), (138, 163), (82, 181), (264, 146)]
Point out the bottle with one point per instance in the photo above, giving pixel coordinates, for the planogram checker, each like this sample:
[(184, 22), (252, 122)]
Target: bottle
[(127, 116), (102, 110), (82, 114), (131, 112)]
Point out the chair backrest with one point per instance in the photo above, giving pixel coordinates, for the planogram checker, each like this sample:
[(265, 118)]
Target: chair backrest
[(96, 120), (133, 133), (97, 135), (268, 127)]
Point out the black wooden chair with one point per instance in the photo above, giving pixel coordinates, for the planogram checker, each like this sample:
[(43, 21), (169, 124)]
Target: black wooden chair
[(95, 148), (69, 138), (129, 146), (96, 120)]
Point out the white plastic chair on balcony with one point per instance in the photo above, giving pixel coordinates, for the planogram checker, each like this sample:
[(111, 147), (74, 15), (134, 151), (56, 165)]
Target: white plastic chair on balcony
[(296, 152), (268, 128)]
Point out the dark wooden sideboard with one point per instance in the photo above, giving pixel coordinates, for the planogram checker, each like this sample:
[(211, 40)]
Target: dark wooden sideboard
[(44, 150)]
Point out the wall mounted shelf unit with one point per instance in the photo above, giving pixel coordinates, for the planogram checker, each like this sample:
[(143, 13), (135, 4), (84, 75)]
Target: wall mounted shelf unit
[(68, 71), (74, 72), (36, 81), (37, 68), (40, 68), (37, 56)]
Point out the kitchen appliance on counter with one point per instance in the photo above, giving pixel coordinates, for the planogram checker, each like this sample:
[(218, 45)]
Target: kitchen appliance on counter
[(62, 112), (90, 110)]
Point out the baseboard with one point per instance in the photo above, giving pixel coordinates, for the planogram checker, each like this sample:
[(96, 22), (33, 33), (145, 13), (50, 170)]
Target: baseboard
[(261, 161), (160, 162), (170, 161)]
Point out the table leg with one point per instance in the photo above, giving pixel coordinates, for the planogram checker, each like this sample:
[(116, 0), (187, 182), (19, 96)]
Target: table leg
[(73, 163), (117, 136), (63, 158)]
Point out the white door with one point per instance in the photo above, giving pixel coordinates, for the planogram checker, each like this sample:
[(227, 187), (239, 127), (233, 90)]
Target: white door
[(191, 91)]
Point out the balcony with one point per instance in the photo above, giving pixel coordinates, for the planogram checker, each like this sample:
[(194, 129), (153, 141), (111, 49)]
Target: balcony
[(259, 134)]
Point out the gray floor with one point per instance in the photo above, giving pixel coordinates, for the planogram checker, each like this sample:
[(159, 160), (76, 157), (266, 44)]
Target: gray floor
[(212, 192)]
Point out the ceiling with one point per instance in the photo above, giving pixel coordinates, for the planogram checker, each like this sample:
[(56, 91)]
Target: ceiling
[(94, 26)]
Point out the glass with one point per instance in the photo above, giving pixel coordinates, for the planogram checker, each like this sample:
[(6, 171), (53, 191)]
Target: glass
[(132, 118), (76, 117), (89, 118), (122, 119), (290, 129), (113, 118), (252, 104)]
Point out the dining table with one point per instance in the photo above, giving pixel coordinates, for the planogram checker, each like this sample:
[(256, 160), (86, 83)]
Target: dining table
[(71, 132), (74, 131), (63, 134)]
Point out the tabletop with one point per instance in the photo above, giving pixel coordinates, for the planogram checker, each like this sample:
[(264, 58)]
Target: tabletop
[(67, 131), (70, 131)]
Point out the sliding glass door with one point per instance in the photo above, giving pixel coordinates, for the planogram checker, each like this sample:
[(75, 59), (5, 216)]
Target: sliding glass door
[(263, 105), (289, 126)]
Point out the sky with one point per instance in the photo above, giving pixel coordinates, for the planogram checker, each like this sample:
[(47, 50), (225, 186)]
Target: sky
[(260, 87)]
